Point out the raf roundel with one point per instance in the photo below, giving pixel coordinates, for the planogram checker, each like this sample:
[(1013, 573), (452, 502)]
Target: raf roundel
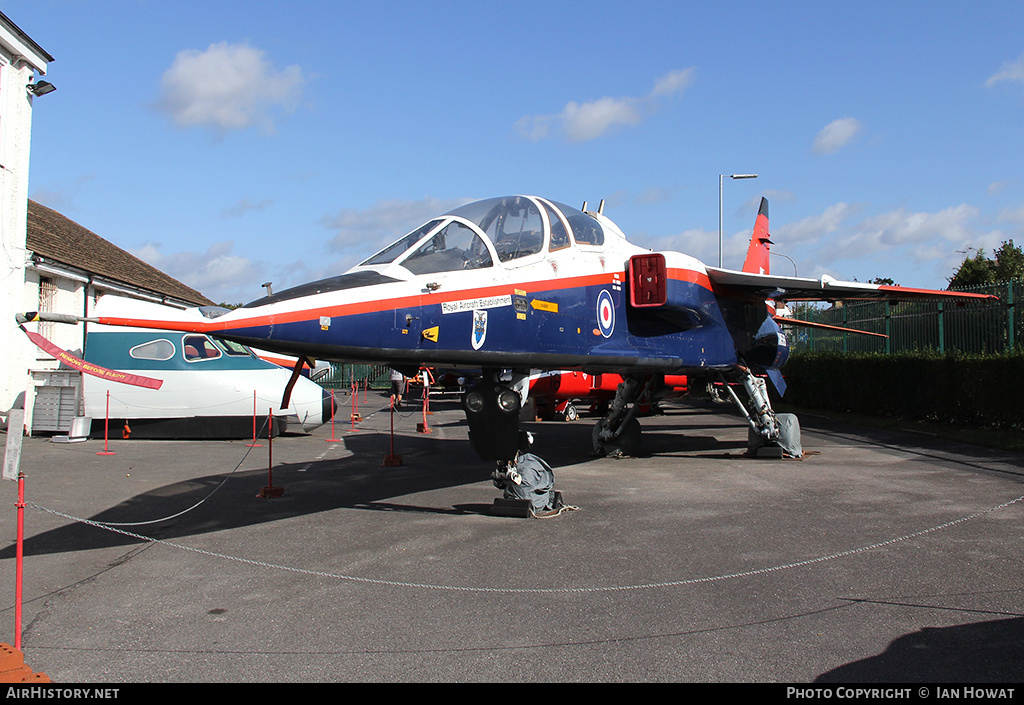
[(605, 313)]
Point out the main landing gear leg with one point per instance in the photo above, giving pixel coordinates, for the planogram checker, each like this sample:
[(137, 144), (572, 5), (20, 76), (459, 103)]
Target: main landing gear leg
[(771, 434), (760, 414), (618, 433)]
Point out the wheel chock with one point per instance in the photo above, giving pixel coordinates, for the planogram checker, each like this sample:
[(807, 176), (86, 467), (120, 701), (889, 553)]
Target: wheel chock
[(519, 508)]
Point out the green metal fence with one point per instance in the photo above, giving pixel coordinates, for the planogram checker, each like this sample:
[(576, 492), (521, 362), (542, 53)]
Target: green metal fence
[(342, 376), (978, 327)]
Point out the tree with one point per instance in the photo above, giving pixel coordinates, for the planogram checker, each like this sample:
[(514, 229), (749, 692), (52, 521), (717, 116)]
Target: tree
[(1009, 262), (973, 271), (1007, 265)]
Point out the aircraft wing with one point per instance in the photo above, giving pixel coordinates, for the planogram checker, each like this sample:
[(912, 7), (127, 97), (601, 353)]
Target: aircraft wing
[(771, 286)]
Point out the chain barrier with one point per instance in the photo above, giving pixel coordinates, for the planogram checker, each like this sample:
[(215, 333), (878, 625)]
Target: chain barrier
[(511, 590)]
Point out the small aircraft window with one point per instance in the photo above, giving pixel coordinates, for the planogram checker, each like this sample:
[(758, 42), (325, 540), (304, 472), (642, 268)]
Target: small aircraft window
[(454, 248), (515, 228), (559, 235), (199, 347), (232, 348), (586, 230), (390, 253), (153, 350)]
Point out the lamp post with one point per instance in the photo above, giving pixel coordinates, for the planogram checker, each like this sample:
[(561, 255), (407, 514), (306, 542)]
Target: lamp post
[(796, 272), (720, 178)]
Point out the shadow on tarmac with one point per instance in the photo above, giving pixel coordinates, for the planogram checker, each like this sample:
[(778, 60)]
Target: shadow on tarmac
[(229, 500), (357, 481), (982, 652)]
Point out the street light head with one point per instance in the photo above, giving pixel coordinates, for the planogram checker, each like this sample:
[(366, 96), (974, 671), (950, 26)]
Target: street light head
[(40, 88), (720, 233)]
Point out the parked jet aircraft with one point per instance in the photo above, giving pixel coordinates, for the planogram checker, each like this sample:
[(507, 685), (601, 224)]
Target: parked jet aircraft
[(511, 284)]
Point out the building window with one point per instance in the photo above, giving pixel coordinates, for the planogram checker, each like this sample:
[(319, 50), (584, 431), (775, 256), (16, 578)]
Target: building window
[(47, 296)]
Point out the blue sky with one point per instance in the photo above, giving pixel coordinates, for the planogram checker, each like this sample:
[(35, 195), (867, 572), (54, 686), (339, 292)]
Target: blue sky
[(233, 143)]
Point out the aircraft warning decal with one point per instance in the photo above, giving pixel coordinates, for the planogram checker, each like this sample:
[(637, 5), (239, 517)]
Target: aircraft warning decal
[(605, 313)]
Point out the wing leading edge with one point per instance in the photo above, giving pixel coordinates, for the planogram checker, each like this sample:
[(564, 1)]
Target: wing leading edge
[(774, 287)]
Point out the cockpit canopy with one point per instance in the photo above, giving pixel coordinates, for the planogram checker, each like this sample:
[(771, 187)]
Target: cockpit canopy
[(509, 229)]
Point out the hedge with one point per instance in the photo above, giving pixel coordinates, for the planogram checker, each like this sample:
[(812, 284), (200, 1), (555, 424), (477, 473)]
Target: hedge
[(983, 391)]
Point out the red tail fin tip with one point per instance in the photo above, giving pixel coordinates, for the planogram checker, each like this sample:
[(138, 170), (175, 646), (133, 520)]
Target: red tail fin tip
[(758, 251)]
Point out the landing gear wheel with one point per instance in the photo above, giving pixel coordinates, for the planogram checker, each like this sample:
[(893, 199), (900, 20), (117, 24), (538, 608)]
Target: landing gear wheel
[(570, 413), (627, 443)]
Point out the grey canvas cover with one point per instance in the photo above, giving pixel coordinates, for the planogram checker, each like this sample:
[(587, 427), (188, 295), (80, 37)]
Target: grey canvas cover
[(537, 482)]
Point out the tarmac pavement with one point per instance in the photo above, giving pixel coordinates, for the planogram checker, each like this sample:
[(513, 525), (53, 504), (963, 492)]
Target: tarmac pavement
[(881, 556)]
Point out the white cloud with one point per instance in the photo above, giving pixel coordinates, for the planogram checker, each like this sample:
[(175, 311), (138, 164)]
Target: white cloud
[(898, 228), (654, 195), (244, 206), (673, 82), (813, 228), (901, 241), (996, 187), (228, 87), (1012, 215), (373, 228), (696, 242), (582, 122), (917, 248), (217, 273), (534, 127), (1012, 71), (836, 135)]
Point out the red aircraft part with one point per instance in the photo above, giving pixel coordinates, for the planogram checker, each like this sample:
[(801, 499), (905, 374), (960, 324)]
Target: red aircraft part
[(553, 393)]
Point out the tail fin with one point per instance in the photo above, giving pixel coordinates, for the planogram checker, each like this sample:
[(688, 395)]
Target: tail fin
[(757, 253)]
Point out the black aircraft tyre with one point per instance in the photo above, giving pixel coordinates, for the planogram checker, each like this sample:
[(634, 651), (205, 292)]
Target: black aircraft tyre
[(627, 443)]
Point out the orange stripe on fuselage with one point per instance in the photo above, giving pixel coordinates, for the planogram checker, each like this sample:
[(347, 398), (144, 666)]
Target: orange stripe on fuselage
[(691, 276), (358, 307)]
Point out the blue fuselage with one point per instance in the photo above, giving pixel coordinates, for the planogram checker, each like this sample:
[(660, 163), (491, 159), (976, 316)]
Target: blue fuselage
[(583, 323)]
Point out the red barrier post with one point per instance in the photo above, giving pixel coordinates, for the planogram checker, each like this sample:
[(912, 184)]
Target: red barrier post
[(254, 444), (355, 414), (270, 491), (334, 436), (391, 458), (106, 430), (19, 559), (423, 427)]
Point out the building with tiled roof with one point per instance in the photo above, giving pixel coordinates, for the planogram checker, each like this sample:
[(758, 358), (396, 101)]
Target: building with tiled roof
[(67, 269), (60, 245)]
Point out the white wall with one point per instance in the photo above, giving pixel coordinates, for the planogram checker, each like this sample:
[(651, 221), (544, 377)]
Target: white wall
[(20, 61), (15, 135)]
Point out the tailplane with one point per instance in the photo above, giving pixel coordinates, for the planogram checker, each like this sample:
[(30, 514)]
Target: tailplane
[(757, 252)]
